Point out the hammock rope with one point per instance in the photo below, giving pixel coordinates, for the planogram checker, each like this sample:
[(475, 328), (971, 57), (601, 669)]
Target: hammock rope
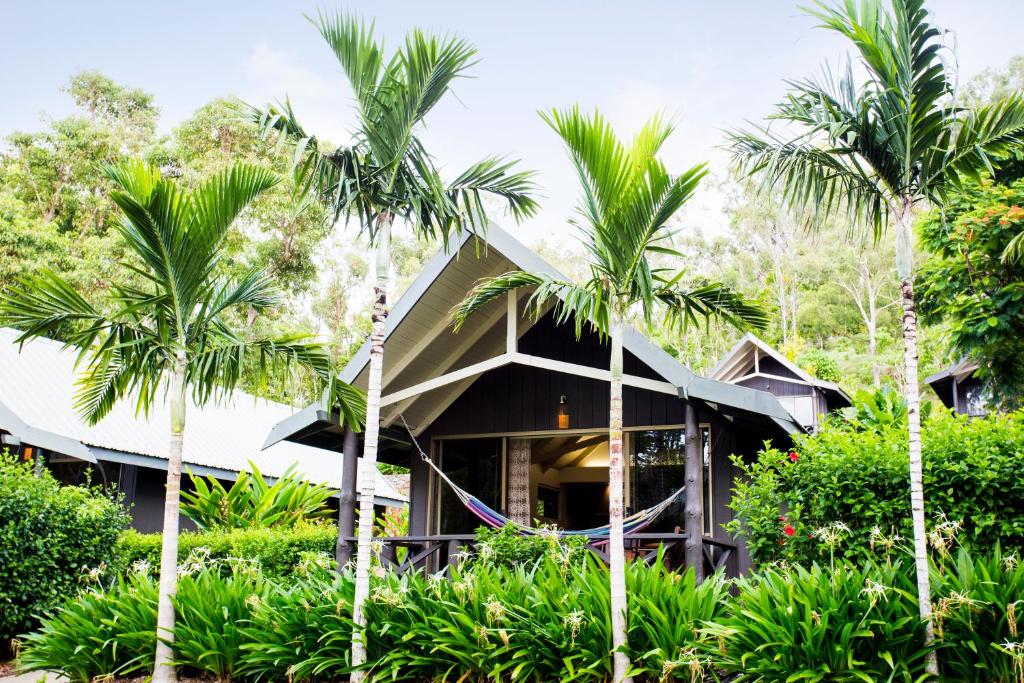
[(630, 525)]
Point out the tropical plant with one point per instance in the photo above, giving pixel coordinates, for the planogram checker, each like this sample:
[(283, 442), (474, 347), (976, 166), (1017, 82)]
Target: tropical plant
[(878, 151), (252, 502), (51, 538), (510, 547), (973, 280), (98, 633), (386, 174), (979, 610), (822, 624), (629, 197), (849, 479), (168, 334)]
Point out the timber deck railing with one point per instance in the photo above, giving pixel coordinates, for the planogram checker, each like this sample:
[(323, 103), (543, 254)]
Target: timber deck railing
[(441, 551)]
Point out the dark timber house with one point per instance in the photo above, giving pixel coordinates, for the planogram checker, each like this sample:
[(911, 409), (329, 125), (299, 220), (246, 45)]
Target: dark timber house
[(960, 388), (753, 363), (485, 405), (128, 452)]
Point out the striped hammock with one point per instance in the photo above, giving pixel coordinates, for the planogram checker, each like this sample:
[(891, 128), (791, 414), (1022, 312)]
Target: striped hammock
[(630, 525)]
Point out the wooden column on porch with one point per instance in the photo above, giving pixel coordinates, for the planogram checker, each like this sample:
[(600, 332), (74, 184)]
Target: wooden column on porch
[(347, 498), (694, 506), (519, 459)]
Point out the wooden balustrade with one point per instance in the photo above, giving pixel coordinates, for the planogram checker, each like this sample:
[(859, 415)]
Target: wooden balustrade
[(439, 552)]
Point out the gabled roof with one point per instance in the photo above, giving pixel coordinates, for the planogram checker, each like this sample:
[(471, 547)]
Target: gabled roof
[(942, 382), (36, 406), (739, 361), (420, 345)]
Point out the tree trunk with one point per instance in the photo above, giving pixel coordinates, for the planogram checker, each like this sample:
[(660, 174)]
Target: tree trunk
[(905, 268), (163, 668), (694, 505), (367, 474), (347, 499), (616, 549)]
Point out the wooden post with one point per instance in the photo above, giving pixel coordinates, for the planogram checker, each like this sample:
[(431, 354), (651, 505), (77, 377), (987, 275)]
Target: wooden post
[(694, 507), (519, 458), (347, 498)]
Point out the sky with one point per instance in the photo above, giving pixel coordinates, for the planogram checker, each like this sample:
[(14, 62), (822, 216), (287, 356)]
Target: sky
[(711, 65)]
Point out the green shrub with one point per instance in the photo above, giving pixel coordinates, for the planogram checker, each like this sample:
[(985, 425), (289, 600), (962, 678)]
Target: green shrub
[(507, 546), (820, 364), (847, 624), (98, 633), (855, 472), (979, 617), (277, 550), (52, 539), (253, 503)]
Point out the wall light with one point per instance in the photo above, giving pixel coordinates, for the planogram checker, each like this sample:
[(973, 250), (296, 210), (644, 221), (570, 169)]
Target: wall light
[(563, 413)]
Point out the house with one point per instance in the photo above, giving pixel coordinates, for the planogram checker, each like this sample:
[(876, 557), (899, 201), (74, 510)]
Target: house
[(960, 388), (515, 411), (128, 451), (753, 363)]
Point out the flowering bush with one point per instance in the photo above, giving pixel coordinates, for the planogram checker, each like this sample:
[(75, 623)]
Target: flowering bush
[(854, 472)]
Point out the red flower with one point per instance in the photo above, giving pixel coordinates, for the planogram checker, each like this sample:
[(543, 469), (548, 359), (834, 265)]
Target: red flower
[(788, 530), (793, 456), (782, 518)]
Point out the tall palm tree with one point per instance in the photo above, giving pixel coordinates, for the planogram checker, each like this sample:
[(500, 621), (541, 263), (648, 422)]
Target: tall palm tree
[(879, 150), (170, 333), (628, 199), (385, 174)]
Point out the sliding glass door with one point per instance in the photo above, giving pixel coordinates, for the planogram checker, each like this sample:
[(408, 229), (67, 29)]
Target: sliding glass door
[(476, 466), (658, 461)]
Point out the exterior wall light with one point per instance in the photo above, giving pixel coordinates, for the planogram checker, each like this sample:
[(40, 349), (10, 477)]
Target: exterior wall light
[(563, 413)]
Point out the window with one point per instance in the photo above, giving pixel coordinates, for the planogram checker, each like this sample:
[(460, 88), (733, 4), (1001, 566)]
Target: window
[(547, 502), (474, 465), (976, 399), (658, 462)]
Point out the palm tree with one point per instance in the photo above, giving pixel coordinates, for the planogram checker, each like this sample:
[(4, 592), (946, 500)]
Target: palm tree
[(880, 150), (172, 327), (628, 200), (385, 174)]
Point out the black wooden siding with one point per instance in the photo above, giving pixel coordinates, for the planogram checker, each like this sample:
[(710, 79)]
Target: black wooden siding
[(771, 366)]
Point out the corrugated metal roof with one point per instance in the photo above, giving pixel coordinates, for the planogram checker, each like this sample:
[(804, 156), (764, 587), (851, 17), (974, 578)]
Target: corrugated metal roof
[(37, 390)]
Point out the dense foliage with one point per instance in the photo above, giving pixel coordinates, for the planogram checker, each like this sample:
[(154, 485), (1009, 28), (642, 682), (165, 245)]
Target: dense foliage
[(972, 283), (548, 620), (276, 550), (842, 491), (53, 538), (508, 547), (252, 502)]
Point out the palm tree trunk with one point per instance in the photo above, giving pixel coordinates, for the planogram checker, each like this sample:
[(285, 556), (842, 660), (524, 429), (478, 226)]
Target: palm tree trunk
[(367, 475), (693, 508), (163, 668), (904, 266), (616, 549)]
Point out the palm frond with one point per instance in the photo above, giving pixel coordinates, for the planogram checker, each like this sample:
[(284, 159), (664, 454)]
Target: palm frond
[(686, 307), (493, 176), (354, 44), (988, 133)]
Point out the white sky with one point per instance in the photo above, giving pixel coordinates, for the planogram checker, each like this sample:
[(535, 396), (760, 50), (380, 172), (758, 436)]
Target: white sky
[(712, 65)]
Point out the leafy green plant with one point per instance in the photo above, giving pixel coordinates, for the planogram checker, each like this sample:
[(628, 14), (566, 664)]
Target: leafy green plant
[(98, 633), (843, 624), (252, 502), (211, 606), (979, 616), (52, 539), (507, 546), (853, 472), (277, 551), (820, 364)]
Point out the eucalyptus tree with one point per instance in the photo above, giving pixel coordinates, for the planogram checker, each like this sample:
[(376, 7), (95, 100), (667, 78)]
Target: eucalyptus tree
[(878, 147), (386, 174), (628, 200), (169, 333)]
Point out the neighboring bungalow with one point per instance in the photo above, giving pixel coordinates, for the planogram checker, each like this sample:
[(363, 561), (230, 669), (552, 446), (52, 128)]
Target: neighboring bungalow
[(753, 363), (515, 411), (960, 388), (38, 422)]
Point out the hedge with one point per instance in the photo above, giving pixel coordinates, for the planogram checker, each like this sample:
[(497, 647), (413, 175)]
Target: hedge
[(845, 490), (276, 550), (53, 539)]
